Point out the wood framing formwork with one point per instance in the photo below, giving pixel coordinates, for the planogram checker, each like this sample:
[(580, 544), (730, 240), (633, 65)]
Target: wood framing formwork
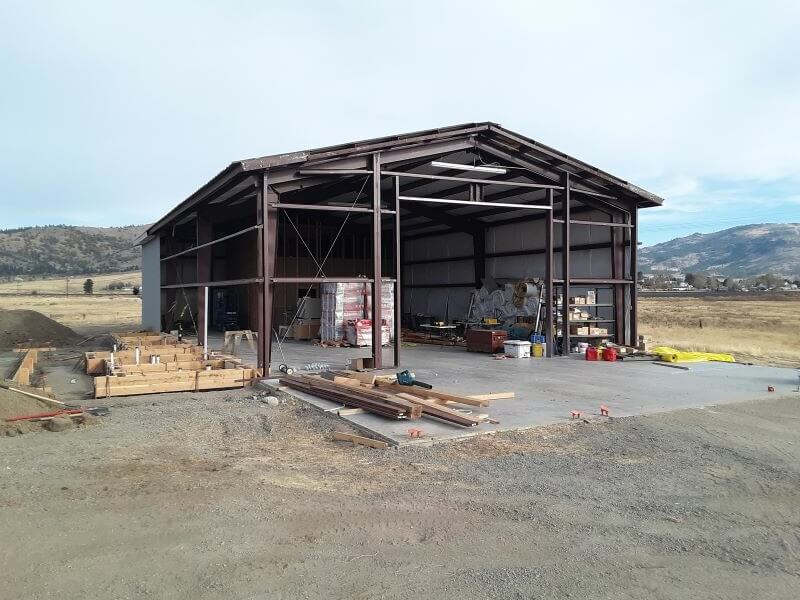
[(162, 364)]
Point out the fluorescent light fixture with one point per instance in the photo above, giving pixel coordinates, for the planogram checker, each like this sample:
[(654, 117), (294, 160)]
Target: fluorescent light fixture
[(481, 168)]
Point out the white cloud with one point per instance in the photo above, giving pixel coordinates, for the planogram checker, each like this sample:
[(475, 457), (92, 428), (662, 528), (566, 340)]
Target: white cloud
[(141, 103)]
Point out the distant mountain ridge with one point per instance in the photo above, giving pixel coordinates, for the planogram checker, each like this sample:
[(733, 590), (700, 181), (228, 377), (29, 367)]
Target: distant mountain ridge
[(744, 251), (69, 250)]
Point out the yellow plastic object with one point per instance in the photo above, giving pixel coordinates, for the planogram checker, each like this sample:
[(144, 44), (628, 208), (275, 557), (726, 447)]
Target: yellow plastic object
[(668, 354), (538, 350), (490, 320)]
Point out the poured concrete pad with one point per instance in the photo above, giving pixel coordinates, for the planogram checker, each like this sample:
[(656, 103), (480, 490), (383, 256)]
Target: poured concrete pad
[(548, 389)]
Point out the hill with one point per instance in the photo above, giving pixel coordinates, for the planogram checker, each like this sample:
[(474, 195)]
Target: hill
[(743, 251), (67, 250)]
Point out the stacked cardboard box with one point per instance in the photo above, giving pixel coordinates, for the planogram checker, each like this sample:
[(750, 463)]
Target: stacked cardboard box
[(346, 302), (359, 333)]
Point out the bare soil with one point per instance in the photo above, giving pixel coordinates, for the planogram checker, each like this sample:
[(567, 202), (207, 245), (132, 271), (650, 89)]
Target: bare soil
[(32, 329), (219, 495)]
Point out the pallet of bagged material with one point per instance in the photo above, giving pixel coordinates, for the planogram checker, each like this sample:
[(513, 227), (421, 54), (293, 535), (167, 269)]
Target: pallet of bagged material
[(175, 381)]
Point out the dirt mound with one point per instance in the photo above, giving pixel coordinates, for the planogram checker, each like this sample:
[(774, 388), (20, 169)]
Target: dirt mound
[(30, 327), (13, 404)]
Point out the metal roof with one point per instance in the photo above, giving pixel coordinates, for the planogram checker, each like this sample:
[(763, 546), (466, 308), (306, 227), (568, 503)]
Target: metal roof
[(520, 146)]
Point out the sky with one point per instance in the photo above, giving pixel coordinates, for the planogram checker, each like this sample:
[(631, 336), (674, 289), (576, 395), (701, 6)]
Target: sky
[(111, 113)]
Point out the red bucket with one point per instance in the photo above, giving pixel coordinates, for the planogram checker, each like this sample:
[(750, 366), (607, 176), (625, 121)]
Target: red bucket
[(610, 354), (591, 353)]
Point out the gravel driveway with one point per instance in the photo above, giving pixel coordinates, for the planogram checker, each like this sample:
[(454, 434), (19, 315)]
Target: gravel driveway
[(219, 495)]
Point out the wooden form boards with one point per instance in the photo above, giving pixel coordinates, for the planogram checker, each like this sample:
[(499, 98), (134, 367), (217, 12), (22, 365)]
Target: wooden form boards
[(171, 381), (96, 361), (22, 375)]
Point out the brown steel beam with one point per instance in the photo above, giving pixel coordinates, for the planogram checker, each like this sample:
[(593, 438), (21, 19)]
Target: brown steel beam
[(479, 255), (210, 243), (205, 233), (327, 279), (548, 281), (602, 223), (565, 272), (330, 208), (221, 283), (634, 250), (595, 281), (269, 254), (539, 186), (377, 313), (506, 253), (398, 269), (618, 272)]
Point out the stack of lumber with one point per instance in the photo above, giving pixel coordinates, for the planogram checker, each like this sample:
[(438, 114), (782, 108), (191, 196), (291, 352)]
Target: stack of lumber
[(416, 337), (353, 394), (384, 396)]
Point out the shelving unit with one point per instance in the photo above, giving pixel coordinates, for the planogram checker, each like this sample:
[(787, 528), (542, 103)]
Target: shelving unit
[(578, 290)]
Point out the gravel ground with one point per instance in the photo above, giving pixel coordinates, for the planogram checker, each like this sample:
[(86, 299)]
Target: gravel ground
[(219, 495)]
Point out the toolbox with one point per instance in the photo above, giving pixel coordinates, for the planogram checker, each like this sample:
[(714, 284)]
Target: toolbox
[(485, 340)]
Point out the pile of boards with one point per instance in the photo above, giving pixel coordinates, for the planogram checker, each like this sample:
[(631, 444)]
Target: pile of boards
[(156, 363), (382, 395), (418, 337)]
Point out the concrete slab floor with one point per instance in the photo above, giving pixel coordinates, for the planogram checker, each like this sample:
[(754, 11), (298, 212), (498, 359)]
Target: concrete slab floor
[(548, 389)]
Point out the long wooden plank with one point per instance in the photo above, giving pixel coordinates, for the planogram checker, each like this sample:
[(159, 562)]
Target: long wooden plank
[(431, 408), (493, 396), (359, 439), (37, 396), (423, 393)]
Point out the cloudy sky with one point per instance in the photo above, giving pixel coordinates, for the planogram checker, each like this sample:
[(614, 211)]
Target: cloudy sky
[(111, 113)]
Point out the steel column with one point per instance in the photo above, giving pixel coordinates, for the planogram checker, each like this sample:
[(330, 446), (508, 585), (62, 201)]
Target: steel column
[(398, 266), (205, 234), (267, 239), (377, 316), (618, 272), (565, 272), (548, 280), (634, 273)]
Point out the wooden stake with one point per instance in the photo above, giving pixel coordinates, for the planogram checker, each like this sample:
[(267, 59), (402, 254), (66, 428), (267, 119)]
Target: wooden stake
[(359, 439)]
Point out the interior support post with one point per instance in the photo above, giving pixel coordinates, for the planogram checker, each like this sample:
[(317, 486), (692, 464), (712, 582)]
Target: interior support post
[(565, 271), (479, 254), (548, 279), (634, 328), (204, 235), (267, 216), (398, 271), (618, 272), (377, 317)]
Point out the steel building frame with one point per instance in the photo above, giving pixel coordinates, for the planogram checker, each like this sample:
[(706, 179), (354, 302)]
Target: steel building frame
[(306, 181)]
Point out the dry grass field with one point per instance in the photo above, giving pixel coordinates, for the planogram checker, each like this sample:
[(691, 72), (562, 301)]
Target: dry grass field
[(85, 314), (761, 329), (58, 285)]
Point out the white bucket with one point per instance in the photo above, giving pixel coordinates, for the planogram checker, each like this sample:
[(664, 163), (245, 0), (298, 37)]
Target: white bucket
[(582, 346), (517, 349)]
